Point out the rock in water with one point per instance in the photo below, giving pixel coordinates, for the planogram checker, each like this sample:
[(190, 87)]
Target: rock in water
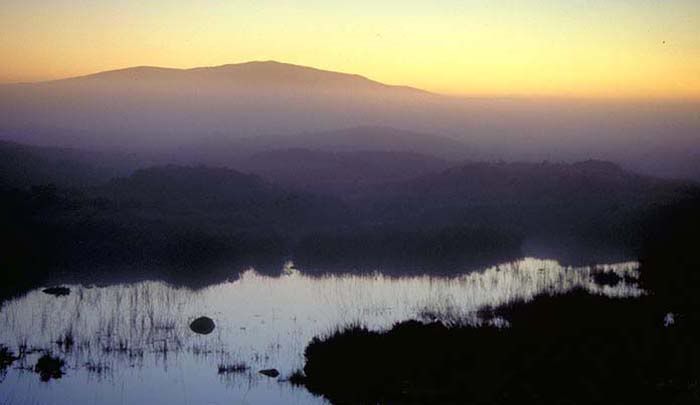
[(270, 372), (203, 325), (56, 291)]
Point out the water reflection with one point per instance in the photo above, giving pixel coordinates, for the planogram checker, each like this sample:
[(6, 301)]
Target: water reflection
[(123, 340)]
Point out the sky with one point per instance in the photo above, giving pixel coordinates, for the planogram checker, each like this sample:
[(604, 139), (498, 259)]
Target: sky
[(573, 48)]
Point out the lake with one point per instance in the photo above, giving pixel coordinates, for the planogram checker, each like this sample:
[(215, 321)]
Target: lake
[(131, 343)]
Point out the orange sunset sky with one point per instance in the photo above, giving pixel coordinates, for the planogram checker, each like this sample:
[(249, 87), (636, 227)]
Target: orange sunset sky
[(591, 48)]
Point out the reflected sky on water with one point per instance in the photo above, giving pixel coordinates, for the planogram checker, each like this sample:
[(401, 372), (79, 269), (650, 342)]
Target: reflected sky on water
[(130, 343)]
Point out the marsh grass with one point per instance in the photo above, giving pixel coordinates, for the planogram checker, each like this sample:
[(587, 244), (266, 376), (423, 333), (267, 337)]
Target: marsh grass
[(99, 368), (66, 342), (145, 324), (236, 367), (7, 357)]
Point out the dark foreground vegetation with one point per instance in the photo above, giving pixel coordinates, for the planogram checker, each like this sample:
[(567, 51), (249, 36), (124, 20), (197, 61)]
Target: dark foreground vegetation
[(576, 349), (572, 349)]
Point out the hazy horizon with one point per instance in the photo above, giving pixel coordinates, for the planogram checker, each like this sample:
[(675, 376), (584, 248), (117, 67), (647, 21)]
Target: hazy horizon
[(635, 99), (200, 111)]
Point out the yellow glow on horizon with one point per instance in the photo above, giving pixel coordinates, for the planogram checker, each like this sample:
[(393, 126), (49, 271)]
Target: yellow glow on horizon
[(594, 48)]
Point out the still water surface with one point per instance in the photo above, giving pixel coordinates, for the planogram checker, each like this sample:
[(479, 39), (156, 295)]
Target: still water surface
[(131, 343)]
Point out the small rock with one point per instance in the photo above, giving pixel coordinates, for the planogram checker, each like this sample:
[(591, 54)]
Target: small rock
[(56, 291), (203, 325), (270, 372)]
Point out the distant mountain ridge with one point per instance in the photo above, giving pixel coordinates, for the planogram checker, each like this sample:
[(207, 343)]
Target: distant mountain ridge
[(257, 73), (161, 109), (362, 139), (152, 107)]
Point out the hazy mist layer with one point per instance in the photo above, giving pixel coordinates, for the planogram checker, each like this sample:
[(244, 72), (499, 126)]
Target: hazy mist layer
[(265, 105)]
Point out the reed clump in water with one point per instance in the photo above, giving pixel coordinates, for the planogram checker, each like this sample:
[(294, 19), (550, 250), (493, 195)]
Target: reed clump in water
[(49, 367), (230, 368)]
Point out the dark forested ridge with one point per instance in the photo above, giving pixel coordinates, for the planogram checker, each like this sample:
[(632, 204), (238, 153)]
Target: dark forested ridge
[(24, 165), (181, 218), (325, 210), (344, 174)]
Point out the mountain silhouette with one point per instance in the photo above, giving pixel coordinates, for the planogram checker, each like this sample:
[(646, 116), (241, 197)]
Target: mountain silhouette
[(158, 110), (151, 107), (241, 75)]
